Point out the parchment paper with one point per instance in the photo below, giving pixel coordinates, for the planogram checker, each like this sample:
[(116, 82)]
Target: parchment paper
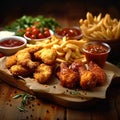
[(54, 86)]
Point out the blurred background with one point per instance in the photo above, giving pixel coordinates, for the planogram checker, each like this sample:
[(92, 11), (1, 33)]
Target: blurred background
[(65, 11)]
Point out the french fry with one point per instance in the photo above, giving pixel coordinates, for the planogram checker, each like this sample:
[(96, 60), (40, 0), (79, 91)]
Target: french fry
[(89, 17), (109, 33), (117, 34), (114, 30), (95, 27), (59, 60), (81, 21), (60, 53), (68, 54), (101, 28), (99, 17), (67, 50)]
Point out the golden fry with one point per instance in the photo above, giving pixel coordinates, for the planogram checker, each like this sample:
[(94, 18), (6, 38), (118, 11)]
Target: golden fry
[(100, 28)]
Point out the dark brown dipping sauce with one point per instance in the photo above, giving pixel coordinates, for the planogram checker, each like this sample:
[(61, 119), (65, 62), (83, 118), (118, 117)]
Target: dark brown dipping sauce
[(11, 43)]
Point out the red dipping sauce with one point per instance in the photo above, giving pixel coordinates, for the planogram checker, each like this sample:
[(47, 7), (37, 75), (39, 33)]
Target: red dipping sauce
[(71, 33), (11, 43), (96, 52)]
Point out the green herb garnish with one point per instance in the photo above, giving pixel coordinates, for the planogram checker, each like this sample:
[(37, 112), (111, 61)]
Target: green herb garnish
[(26, 98), (19, 25)]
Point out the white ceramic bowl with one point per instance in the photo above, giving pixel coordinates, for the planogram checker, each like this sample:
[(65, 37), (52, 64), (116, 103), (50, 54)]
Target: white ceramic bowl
[(35, 40), (10, 45)]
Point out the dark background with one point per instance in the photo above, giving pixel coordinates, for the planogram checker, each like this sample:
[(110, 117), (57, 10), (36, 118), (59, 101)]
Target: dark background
[(60, 9)]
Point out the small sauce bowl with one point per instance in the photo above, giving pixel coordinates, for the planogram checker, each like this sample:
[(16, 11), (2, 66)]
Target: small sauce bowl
[(96, 52), (10, 45), (32, 40), (70, 33)]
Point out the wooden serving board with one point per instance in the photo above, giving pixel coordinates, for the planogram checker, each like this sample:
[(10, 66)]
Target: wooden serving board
[(64, 100)]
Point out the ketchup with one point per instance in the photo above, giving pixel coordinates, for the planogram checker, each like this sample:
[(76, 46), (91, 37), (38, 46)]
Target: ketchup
[(11, 43), (97, 52), (96, 49), (72, 33)]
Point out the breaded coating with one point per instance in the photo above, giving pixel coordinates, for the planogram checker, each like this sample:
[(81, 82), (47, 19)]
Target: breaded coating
[(99, 72), (87, 78), (30, 64), (24, 59), (18, 70), (23, 55), (48, 56), (43, 73), (68, 77), (10, 61), (32, 49)]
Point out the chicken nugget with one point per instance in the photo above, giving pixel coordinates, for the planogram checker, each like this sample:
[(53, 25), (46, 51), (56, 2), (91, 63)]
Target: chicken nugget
[(23, 55), (33, 48), (29, 64), (18, 70), (24, 59), (43, 73), (48, 56), (10, 61)]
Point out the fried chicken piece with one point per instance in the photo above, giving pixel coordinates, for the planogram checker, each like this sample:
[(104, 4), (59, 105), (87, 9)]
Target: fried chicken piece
[(87, 78), (43, 73), (18, 70), (33, 48), (68, 77), (76, 64), (48, 56), (99, 72), (10, 61), (30, 64), (23, 55), (24, 59)]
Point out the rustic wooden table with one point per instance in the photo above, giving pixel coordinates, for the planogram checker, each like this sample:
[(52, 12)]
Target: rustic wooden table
[(68, 14), (43, 109)]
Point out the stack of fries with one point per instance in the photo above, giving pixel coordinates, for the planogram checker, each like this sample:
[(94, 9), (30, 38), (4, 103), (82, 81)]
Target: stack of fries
[(67, 50), (100, 28)]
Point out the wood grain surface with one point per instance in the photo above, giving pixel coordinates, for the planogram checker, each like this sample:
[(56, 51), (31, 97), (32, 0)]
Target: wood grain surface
[(41, 109)]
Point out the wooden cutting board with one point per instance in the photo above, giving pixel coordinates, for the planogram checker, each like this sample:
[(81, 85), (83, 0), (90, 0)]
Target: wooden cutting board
[(66, 101)]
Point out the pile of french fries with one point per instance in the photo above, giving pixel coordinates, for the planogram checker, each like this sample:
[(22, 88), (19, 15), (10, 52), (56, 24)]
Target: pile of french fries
[(100, 28), (67, 50)]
